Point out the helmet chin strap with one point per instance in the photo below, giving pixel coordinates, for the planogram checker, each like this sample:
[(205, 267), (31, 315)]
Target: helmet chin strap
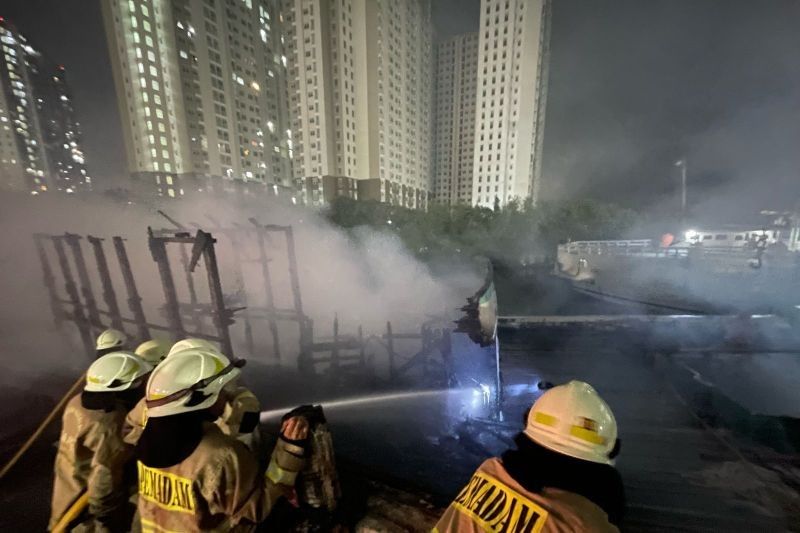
[(616, 449), (197, 387), (197, 398)]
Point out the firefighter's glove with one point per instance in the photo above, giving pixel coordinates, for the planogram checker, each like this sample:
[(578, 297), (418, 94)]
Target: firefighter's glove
[(313, 415), (288, 458), (294, 430)]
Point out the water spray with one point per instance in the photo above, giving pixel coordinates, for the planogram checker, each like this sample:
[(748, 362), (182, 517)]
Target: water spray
[(359, 400)]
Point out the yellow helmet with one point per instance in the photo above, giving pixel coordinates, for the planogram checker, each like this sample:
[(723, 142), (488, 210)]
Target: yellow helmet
[(574, 420), (153, 351)]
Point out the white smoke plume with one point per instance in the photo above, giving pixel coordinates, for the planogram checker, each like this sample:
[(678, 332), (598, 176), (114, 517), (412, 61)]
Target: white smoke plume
[(365, 281)]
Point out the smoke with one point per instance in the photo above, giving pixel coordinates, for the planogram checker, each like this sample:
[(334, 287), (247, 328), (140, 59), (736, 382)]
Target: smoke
[(364, 279)]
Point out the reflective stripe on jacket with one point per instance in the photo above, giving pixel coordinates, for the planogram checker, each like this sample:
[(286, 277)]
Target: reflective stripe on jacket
[(494, 501), (91, 457), (217, 488)]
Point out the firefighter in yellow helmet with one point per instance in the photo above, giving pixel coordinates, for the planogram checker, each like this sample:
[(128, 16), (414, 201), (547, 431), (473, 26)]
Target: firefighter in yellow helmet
[(91, 454), (560, 478), (239, 417), (192, 477), (111, 340)]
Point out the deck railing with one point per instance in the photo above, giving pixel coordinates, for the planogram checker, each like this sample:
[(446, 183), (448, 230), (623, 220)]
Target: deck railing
[(648, 248)]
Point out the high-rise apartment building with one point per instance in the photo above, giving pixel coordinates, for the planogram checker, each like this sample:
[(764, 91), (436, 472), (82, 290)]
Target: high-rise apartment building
[(361, 92), (511, 97), (40, 140), (456, 91), (201, 87)]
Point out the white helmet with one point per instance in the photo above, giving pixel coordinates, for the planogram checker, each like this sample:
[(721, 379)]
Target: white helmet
[(116, 371), (573, 420), (189, 381), (192, 343), (153, 351), (111, 338)]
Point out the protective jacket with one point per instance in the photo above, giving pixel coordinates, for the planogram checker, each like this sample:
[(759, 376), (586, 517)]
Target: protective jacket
[(135, 421), (217, 487), (239, 418), (494, 501), (91, 458)]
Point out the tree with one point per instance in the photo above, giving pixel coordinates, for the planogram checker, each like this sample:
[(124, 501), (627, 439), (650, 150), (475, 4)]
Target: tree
[(509, 234)]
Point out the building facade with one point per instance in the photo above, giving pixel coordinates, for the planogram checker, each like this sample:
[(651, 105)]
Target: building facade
[(456, 91), (201, 88), (40, 139), (361, 93), (513, 58)]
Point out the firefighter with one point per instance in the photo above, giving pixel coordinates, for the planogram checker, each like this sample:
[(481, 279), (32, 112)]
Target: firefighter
[(192, 477), (192, 343), (137, 417), (153, 351), (111, 340), (91, 454), (239, 417), (560, 478)]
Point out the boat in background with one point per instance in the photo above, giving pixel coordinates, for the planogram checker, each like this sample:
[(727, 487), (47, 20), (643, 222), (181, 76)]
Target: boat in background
[(744, 270)]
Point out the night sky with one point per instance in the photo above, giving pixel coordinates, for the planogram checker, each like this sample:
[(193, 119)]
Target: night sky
[(634, 86)]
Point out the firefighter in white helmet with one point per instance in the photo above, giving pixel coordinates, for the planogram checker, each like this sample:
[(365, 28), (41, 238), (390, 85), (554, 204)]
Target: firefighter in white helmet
[(192, 477), (239, 417), (560, 478), (153, 351), (192, 343), (111, 340), (137, 417), (91, 455)]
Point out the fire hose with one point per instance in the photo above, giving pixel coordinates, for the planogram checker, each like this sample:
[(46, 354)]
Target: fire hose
[(72, 513), (46, 422)]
